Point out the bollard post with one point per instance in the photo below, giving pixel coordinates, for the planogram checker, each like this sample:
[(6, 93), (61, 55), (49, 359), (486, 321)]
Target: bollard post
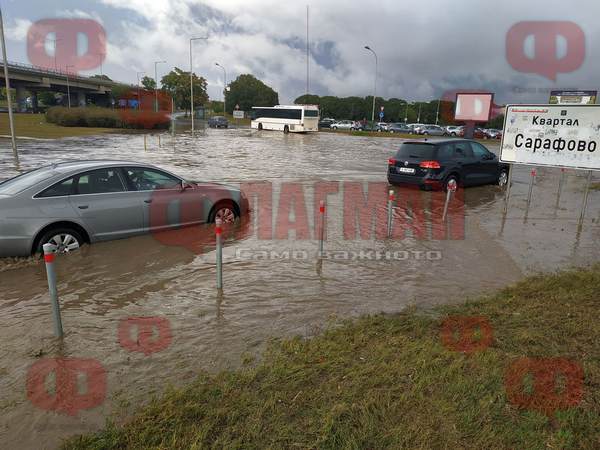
[(390, 212), (145, 143), (561, 182), (585, 198), (51, 275), (451, 188), (531, 183), (219, 232), (322, 227), (507, 193), (159, 141)]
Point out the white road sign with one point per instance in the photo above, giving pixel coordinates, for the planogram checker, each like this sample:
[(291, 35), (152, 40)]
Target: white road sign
[(237, 114), (552, 135)]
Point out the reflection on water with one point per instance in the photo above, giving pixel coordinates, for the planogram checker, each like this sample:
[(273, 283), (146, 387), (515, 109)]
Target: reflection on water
[(274, 284)]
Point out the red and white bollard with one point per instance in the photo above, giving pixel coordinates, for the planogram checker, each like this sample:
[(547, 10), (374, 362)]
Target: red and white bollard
[(450, 189), (219, 233), (51, 275), (390, 212), (322, 227)]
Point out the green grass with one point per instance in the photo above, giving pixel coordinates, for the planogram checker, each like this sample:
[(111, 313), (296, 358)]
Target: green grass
[(595, 186), (35, 126), (388, 382)]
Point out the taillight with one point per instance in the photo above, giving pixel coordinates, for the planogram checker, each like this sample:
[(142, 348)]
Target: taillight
[(391, 162), (430, 165)]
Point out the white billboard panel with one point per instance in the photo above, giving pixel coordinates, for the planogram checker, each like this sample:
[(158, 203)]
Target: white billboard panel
[(552, 135)]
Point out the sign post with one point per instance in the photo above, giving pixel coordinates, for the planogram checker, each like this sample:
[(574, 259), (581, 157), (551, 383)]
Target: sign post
[(559, 135)]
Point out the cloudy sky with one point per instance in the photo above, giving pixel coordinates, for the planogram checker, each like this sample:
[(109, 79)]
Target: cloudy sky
[(424, 47)]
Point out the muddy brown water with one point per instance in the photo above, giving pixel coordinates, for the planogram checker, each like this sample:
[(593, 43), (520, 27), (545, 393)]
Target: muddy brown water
[(273, 287)]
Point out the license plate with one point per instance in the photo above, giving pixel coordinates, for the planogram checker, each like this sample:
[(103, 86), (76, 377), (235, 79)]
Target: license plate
[(406, 170)]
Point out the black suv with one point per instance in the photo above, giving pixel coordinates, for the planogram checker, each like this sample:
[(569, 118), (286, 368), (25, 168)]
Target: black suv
[(434, 163)]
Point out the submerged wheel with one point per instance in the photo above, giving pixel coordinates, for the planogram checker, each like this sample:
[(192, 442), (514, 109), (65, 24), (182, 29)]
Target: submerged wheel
[(503, 178), (226, 211), (260, 127), (286, 129), (63, 240)]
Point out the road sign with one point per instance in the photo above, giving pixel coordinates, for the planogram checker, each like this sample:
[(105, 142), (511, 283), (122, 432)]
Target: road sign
[(237, 107), (237, 114), (475, 107), (552, 135), (382, 108), (381, 115)]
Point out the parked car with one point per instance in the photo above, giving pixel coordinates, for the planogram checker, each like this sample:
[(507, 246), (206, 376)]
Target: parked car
[(326, 122), (72, 203), (415, 126), (342, 125), (399, 128), (492, 133), (383, 126), (218, 122), (438, 163), (454, 130), (369, 126), (433, 130)]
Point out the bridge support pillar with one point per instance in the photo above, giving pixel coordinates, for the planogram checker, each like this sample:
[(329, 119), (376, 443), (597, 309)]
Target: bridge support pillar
[(21, 99), (81, 98), (34, 101)]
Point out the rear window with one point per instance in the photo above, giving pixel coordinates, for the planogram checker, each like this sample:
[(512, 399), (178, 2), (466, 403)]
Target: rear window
[(25, 181), (311, 113), (416, 150)]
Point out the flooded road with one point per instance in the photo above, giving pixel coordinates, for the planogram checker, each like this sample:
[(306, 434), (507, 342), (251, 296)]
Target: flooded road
[(273, 286)]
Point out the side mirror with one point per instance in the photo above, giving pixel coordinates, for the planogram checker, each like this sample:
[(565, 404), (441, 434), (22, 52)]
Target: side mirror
[(185, 185)]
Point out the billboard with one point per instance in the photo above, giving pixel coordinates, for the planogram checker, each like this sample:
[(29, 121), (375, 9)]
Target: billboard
[(473, 107), (552, 135), (573, 97)]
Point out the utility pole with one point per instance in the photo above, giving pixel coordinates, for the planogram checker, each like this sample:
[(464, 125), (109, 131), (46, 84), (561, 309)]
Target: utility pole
[(8, 96), (437, 113), (192, 79), (375, 91), (138, 90), (156, 85), (68, 88), (307, 55), (224, 88)]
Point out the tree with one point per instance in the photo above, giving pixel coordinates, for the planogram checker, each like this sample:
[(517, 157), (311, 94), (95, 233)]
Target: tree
[(248, 91), (177, 84), (47, 98), (149, 83)]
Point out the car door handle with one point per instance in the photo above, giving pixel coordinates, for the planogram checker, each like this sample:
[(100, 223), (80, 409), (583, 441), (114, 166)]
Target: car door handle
[(83, 206), (148, 201)]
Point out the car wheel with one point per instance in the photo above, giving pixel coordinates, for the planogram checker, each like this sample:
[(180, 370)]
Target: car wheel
[(286, 129), (226, 211), (453, 134), (260, 127), (63, 240), (392, 131), (334, 128), (503, 178), (425, 133), (452, 179)]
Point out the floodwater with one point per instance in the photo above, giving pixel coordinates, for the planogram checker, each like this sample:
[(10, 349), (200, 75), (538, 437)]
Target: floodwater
[(273, 285)]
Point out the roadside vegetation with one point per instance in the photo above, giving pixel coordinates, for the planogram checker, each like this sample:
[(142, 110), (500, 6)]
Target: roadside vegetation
[(36, 126), (107, 118), (391, 381)]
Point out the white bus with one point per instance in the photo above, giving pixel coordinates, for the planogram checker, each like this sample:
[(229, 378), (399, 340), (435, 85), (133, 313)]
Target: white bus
[(289, 119)]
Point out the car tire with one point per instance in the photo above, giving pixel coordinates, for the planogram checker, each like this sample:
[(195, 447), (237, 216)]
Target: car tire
[(425, 133), (453, 134), (334, 128), (449, 180), (502, 178), (391, 131), (226, 210), (260, 127), (286, 129), (66, 240)]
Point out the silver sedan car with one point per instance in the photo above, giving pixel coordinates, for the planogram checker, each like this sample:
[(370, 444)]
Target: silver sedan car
[(72, 203)]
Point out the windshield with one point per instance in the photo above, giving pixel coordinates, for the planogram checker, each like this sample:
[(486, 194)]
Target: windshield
[(25, 180), (413, 150)]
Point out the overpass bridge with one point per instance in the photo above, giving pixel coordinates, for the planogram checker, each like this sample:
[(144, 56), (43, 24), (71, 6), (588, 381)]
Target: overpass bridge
[(33, 79)]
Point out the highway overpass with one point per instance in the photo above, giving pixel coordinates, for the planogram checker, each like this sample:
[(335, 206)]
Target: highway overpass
[(33, 79)]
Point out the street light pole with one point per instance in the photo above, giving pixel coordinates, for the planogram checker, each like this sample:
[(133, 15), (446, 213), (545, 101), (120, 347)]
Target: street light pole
[(68, 88), (8, 96), (437, 113), (406, 113), (224, 87), (138, 89), (419, 117), (375, 91), (192, 80), (156, 85)]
